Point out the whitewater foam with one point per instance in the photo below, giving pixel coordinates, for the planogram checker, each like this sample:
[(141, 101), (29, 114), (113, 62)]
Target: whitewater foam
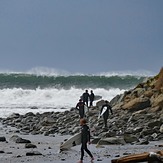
[(21, 100)]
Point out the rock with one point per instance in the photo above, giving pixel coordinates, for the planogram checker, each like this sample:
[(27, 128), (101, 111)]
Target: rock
[(2, 151), (100, 103), (95, 140), (34, 107), (161, 128), (2, 139), (111, 140), (160, 136), (154, 123), (137, 104), (33, 153), (137, 129), (21, 140), (17, 139), (159, 82), (29, 145), (48, 120), (130, 138), (14, 115), (14, 138), (158, 101), (142, 142), (146, 132)]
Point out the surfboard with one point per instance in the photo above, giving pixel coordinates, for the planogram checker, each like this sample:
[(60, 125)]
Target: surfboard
[(97, 97), (86, 110), (72, 141), (103, 110)]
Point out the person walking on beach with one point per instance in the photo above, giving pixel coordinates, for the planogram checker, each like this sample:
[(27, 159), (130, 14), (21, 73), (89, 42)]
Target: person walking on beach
[(85, 138), (105, 115), (91, 97), (80, 108), (85, 97)]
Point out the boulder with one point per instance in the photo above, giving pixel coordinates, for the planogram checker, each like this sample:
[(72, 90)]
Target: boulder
[(33, 153), (29, 145), (2, 139), (17, 139), (21, 140), (161, 128), (130, 138), (137, 104), (112, 140), (154, 123), (158, 101), (100, 103)]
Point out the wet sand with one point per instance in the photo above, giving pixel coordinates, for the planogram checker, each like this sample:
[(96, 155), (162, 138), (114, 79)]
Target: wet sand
[(49, 148)]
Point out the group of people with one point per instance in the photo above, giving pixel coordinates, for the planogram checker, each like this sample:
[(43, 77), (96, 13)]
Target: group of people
[(88, 97), (83, 101), (85, 131)]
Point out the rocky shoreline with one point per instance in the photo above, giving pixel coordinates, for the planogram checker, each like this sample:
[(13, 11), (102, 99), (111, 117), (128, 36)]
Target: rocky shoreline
[(124, 126), (137, 118)]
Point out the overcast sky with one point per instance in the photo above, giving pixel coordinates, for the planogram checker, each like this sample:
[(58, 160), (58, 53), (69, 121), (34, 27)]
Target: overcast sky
[(88, 36)]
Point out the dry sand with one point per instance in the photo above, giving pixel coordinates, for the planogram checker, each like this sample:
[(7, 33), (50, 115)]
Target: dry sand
[(49, 147)]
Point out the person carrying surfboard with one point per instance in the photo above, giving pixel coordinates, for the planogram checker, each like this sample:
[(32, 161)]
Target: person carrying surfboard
[(80, 108), (85, 138), (105, 112)]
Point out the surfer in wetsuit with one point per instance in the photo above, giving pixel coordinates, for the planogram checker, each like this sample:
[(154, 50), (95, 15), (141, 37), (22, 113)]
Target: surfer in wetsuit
[(91, 97), (85, 97), (85, 138), (80, 107), (106, 113)]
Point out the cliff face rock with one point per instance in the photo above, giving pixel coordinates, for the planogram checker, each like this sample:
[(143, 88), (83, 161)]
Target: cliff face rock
[(143, 109), (145, 95), (157, 101), (159, 81), (137, 104)]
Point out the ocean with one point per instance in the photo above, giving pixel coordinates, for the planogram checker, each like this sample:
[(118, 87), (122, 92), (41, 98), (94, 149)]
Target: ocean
[(41, 92)]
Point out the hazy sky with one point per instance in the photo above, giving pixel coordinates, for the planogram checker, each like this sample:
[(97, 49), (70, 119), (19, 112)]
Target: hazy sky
[(86, 36)]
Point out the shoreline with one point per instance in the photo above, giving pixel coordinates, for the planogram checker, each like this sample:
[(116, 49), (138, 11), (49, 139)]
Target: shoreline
[(7, 111), (48, 146)]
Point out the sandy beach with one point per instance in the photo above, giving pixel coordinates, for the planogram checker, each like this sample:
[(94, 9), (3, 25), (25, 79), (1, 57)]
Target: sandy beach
[(48, 146)]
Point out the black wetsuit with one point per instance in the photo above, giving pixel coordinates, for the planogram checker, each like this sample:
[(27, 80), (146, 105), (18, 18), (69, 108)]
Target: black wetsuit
[(91, 97), (85, 138), (80, 107), (85, 98), (106, 114)]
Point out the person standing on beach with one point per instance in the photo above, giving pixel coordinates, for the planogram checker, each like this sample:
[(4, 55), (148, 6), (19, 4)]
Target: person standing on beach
[(91, 97), (85, 138), (85, 97), (80, 108), (106, 113)]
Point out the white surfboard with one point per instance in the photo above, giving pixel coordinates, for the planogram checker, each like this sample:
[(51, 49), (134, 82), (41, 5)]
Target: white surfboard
[(72, 141), (103, 111), (86, 109), (97, 97)]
